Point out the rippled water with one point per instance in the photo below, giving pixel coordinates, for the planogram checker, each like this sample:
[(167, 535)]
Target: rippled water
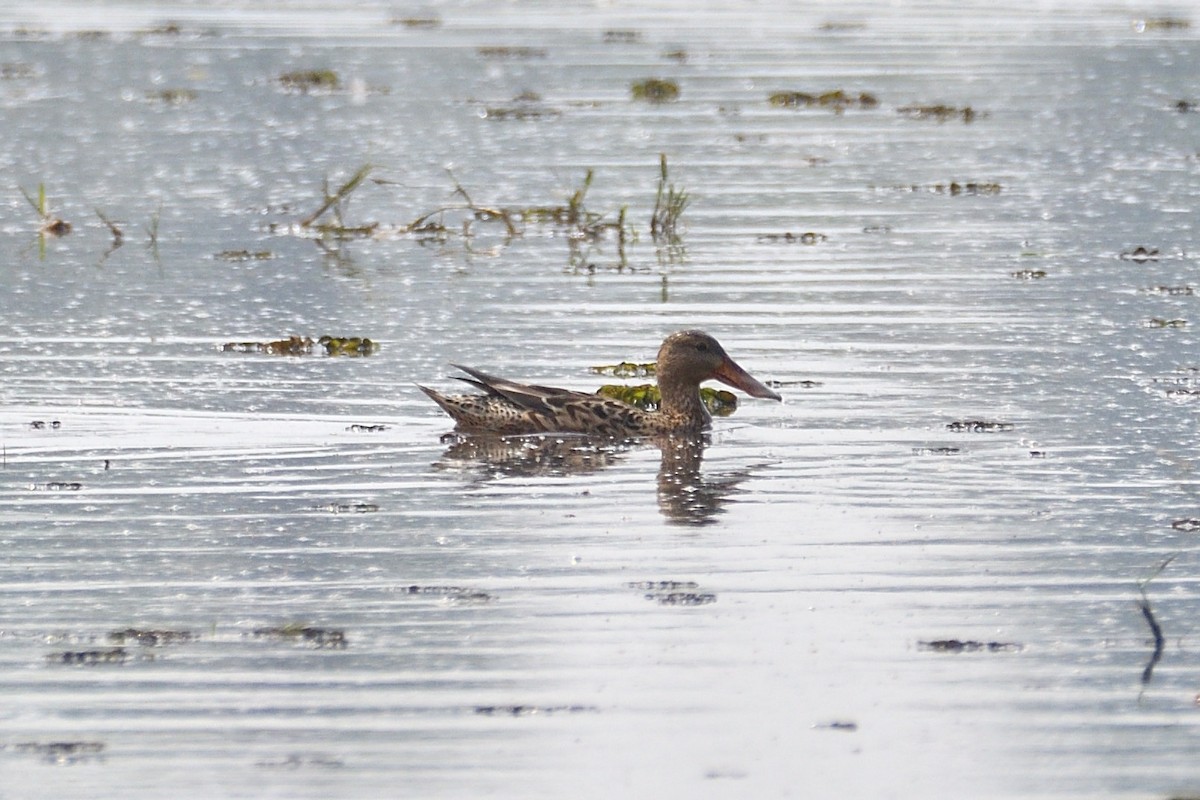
[(238, 574)]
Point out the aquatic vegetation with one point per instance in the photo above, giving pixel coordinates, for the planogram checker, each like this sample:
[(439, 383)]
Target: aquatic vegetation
[(969, 646), (646, 396), (1029, 274), (662, 586), (940, 113), (525, 106), (51, 226), (16, 70), (358, 427), (244, 255), (1159, 322), (1161, 24), (57, 486), (1171, 291), (64, 752), (430, 21), (41, 424), (837, 100), (151, 638), (291, 346), (677, 54), (348, 508), (297, 632), (669, 204), (622, 36), (655, 90), (525, 711), (979, 426), (310, 80), (789, 237), (504, 52), (1185, 106), (682, 598), (348, 345), (626, 369), (335, 203), (937, 451), (953, 188), (90, 658), (172, 97), (1140, 254)]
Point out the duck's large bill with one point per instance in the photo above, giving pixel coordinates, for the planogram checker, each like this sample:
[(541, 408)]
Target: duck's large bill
[(731, 374)]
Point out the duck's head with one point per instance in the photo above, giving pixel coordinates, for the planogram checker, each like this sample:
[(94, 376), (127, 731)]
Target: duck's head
[(693, 356)]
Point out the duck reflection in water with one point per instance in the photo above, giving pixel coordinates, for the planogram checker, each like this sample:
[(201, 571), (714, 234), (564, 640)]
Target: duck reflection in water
[(589, 432)]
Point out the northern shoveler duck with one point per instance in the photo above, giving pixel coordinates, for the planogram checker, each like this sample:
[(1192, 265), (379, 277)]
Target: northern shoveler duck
[(685, 359)]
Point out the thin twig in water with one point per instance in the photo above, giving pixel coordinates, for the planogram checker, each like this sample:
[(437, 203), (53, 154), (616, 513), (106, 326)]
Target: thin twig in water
[(333, 200), (1155, 628)]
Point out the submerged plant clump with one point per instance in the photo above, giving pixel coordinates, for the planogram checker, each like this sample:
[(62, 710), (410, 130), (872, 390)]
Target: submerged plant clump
[(837, 100), (321, 637), (646, 396), (310, 80), (655, 90), (941, 113), (303, 346), (808, 237), (626, 369)]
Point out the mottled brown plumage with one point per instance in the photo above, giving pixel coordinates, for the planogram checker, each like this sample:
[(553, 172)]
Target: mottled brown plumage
[(685, 360)]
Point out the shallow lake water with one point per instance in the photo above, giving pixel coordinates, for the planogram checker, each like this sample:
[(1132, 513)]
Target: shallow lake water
[(242, 574)]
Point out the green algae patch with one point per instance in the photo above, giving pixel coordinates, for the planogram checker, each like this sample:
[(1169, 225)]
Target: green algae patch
[(305, 345), (626, 369), (324, 638), (939, 113), (837, 100), (655, 90), (647, 397), (305, 81)]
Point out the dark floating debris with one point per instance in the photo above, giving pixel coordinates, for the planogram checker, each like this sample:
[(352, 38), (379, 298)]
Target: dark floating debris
[(1029, 274), (1189, 525), (67, 752), (790, 238), (979, 426), (526, 711), (90, 658), (305, 81), (937, 451), (300, 761), (525, 106), (151, 638), (622, 36), (1171, 291), (802, 384), (358, 428), (954, 188), (244, 255), (41, 424), (941, 113), (969, 646), (1159, 322), (1185, 106), (458, 593), (647, 396), (655, 90), (15, 70), (321, 637), (647, 586), (57, 486), (839, 725), (837, 100), (1140, 254), (682, 598)]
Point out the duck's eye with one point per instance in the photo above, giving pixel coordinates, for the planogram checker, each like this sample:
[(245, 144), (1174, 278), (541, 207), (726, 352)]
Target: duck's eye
[(702, 347)]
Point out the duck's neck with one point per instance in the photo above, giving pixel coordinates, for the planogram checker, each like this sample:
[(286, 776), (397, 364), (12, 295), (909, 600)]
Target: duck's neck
[(681, 401)]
